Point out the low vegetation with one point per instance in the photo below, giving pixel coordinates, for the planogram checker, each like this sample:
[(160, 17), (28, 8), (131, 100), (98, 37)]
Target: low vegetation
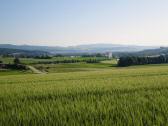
[(120, 96)]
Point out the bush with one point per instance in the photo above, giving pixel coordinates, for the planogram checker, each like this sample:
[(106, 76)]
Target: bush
[(13, 66), (16, 66)]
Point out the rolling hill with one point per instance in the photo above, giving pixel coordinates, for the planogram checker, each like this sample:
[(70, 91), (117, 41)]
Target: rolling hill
[(148, 52), (91, 48)]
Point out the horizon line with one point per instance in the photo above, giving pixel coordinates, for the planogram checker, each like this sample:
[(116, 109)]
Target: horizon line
[(74, 45)]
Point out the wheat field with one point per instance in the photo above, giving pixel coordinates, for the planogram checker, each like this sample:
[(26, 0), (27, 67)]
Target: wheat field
[(113, 97)]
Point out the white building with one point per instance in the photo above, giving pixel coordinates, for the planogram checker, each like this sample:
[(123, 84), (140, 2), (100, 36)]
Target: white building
[(110, 55)]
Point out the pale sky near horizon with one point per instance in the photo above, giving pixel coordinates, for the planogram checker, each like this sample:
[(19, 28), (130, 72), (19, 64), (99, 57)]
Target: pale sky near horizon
[(73, 22)]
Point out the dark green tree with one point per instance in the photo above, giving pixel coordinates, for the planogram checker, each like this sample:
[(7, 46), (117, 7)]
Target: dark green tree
[(16, 61)]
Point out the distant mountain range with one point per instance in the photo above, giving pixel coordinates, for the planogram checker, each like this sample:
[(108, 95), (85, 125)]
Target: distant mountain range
[(152, 52), (92, 48)]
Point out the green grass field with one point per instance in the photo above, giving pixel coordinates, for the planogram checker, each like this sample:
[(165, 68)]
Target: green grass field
[(72, 67), (6, 72), (29, 61), (115, 96), (58, 68)]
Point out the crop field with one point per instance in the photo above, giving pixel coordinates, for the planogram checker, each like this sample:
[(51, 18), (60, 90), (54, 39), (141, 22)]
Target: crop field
[(114, 97)]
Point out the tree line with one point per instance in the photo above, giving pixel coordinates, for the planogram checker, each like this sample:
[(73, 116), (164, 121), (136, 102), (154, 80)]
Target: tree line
[(133, 60), (70, 61)]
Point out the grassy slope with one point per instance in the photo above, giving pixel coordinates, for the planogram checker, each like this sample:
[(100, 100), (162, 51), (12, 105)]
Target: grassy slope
[(120, 96)]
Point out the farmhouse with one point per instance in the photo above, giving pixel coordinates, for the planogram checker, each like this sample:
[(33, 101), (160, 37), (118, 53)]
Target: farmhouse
[(109, 55)]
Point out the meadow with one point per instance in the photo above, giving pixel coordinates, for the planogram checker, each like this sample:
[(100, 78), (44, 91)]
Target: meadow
[(114, 97), (73, 67), (30, 61), (6, 72), (44, 65)]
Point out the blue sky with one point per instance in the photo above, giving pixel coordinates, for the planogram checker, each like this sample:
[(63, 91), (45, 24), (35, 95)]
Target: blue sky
[(73, 22)]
